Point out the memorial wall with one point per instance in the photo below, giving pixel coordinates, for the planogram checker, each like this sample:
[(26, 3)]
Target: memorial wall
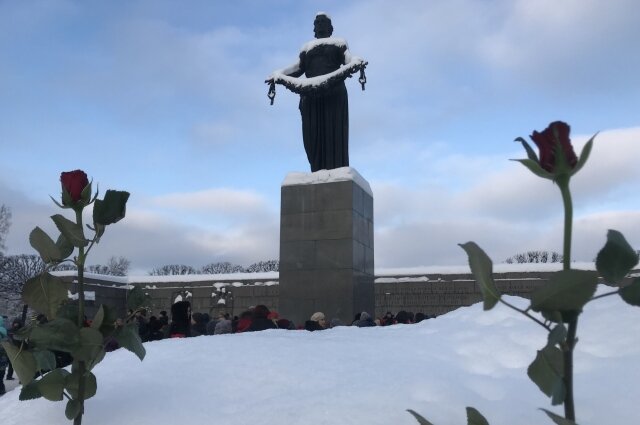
[(434, 294)]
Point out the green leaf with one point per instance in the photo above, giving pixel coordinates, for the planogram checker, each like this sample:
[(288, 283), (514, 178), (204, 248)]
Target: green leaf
[(535, 168), (85, 195), (475, 418), (41, 242), (557, 335), (566, 290), (66, 248), (58, 203), (45, 293), (129, 338), (59, 334), (421, 420), (72, 410), (45, 360), (100, 228), (68, 310), (631, 293), (616, 259), (584, 155), (552, 316), (96, 323), (559, 420), (547, 371), (90, 345), (98, 357), (23, 333), (67, 200), (71, 231), (72, 383), (482, 267), (530, 152), (51, 386), (111, 209), (30, 392), (108, 322), (22, 361)]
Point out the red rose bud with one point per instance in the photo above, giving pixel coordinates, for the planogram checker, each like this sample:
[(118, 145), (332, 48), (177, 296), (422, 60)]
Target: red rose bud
[(73, 182), (548, 140)]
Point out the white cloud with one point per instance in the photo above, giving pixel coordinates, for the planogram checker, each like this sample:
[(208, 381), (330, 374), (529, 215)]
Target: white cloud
[(151, 240), (508, 210), (218, 200)]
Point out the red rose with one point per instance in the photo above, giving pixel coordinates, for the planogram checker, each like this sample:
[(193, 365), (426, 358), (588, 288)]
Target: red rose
[(74, 183), (557, 132)]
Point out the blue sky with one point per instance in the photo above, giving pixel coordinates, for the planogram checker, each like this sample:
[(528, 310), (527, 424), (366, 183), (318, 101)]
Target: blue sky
[(167, 100)]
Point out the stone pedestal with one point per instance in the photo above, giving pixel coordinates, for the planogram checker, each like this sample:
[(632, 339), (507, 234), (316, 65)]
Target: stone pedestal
[(326, 246)]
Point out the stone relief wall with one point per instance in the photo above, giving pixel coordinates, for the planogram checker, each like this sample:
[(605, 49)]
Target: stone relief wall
[(432, 294)]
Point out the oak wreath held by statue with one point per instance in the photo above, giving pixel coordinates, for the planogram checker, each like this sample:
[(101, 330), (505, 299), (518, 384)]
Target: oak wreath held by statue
[(324, 108)]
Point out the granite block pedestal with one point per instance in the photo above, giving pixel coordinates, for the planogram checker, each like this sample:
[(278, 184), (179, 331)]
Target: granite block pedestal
[(326, 246)]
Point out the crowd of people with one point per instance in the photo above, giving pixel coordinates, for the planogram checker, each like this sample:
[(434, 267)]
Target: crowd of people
[(6, 333), (183, 323)]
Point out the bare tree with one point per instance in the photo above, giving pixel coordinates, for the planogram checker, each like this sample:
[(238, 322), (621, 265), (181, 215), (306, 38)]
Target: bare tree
[(221, 268), (97, 269), (264, 266), (173, 269), (535, 257), (65, 267), (5, 223), (15, 270), (118, 266)]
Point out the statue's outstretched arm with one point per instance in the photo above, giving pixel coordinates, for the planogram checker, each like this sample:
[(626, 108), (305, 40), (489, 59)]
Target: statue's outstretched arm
[(293, 70)]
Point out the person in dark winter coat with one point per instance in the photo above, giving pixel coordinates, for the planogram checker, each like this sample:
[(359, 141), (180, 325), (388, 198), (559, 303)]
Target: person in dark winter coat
[(164, 319), (180, 320), (316, 322), (155, 329), (403, 317), (365, 320), (199, 324), (260, 320)]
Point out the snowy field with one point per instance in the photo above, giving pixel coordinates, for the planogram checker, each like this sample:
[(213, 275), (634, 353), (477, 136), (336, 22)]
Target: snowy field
[(363, 375)]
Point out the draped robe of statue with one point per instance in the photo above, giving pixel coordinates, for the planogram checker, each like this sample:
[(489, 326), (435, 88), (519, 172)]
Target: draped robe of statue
[(325, 112)]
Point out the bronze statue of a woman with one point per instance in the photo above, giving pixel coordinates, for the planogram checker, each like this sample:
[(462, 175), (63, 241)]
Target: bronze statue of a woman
[(324, 106)]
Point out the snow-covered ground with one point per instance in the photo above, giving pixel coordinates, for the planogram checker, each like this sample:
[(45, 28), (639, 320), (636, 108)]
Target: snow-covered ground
[(363, 375)]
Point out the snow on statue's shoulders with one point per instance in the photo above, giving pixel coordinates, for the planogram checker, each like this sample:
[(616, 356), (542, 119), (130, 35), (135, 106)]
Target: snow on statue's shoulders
[(334, 41), (327, 176)]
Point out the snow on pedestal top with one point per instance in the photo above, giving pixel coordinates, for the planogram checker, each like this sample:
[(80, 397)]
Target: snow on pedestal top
[(328, 176)]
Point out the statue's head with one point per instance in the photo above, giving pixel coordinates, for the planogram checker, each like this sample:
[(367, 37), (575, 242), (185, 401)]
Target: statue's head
[(322, 27)]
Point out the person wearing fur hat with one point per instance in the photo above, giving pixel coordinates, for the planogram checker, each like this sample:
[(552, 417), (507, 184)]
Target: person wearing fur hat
[(365, 320), (180, 320), (223, 326), (316, 322)]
